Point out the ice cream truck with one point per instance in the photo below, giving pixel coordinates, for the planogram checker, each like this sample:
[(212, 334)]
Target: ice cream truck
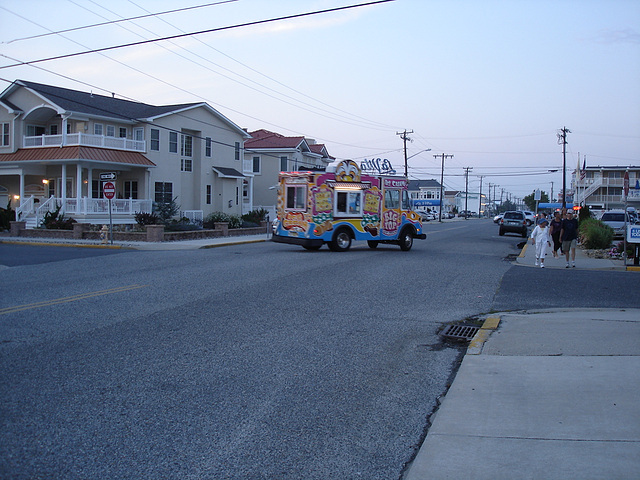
[(343, 204)]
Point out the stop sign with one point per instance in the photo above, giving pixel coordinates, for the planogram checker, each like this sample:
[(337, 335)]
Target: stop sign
[(109, 190)]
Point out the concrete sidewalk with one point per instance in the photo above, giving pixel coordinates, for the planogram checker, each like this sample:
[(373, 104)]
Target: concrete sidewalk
[(177, 245), (528, 257), (547, 394)]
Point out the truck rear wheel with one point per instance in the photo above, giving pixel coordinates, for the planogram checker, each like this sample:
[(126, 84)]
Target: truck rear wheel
[(406, 240), (341, 241)]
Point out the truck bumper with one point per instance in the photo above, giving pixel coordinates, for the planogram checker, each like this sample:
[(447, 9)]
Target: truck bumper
[(305, 242), (421, 236)]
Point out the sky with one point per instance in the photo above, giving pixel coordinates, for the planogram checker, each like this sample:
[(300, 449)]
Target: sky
[(489, 82)]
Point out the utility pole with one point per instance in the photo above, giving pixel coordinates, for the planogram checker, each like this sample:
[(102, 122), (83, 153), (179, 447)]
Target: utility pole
[(466, 191), (442, 156), (480, 201), (551, 193), (403, 136), (562, 138)]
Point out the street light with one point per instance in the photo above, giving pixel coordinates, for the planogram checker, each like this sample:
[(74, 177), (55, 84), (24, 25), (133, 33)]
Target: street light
[(407, 158)]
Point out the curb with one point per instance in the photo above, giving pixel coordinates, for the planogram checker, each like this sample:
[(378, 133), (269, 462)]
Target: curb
[(488, 327), (231, 243)]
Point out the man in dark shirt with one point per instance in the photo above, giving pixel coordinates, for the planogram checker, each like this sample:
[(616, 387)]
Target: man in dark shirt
[(569, 237)]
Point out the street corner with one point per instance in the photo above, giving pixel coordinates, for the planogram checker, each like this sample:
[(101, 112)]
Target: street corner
[(490, 324)]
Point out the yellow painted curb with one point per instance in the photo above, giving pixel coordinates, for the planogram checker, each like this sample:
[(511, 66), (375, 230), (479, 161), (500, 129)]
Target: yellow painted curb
[(477, 343), (524, 250), (633, 269)]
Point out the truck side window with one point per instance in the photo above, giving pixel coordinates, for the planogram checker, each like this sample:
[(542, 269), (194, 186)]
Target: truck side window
[(296, 197), (392, 199), (405, 200)]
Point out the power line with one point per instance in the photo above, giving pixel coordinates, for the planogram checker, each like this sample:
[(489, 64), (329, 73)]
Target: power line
[(111, 22), (182, 35)]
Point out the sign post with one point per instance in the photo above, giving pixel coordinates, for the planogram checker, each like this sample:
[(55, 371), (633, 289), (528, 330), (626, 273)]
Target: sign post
[(109, 191), (626, 203)]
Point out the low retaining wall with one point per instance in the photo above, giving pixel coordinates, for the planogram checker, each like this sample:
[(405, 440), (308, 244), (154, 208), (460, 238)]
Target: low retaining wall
[(153, 233)]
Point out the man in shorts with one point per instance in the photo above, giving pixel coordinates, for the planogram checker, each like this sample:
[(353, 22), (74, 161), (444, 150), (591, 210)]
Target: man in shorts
[(569, 237)]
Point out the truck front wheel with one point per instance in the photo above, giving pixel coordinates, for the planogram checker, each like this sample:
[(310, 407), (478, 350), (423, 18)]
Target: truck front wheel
[(341, 241), (406, 240)]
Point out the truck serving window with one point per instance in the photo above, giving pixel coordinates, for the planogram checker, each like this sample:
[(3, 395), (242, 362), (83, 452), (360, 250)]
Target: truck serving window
[(348, 204), (296, 197)]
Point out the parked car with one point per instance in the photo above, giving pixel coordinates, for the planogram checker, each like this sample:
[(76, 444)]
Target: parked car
[(513, 222), (428, 216), (530, 216), (498, 217), (466, 214), (615, 219)]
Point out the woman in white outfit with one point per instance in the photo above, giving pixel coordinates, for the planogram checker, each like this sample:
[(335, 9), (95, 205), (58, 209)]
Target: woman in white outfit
[(541, 239)]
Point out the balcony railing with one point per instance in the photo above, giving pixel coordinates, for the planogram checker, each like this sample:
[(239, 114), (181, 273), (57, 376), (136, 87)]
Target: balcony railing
[(85, 139)]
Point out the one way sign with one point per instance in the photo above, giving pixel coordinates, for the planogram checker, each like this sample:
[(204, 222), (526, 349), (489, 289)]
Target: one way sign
[(108, 176)]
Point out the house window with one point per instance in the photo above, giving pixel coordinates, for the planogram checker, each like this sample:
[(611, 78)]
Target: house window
[(98, 129), (207, 147), (138, 134), (164, 192), (186, 165), (53, 129), (155, 139), (131, 189), (349, 204), (187, 146), (237, 151), (4, 134), (208, 196), (122, 132), (111, 131), (173, 142), (284, 164), (296, 197), (256, 164)]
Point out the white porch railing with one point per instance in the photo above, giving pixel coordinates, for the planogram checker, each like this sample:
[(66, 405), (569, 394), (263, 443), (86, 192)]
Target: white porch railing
[(25, 209), (102, 141), (194, 216), (91, 206)]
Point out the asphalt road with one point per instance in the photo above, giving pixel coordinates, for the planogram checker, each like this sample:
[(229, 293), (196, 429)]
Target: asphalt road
[(241, 362)]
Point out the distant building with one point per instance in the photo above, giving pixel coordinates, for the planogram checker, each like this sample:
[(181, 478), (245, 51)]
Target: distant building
[(601, 187), (424, 195)]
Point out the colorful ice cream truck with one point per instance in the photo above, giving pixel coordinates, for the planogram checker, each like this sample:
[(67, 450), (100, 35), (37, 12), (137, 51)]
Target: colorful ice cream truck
[(341, 205)]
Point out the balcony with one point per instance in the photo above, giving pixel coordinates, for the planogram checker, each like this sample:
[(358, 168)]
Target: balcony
[(83, 139)]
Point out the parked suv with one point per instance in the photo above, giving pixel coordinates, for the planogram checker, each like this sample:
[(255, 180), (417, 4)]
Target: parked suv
[(513, 222)]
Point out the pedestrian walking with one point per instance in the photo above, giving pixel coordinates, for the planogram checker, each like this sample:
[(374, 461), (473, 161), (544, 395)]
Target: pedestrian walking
[(541, 239), (569, 237), (554, 230)]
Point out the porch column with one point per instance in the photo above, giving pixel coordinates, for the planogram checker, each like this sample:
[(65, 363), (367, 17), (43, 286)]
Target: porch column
[(90, 182), (20, 200), (79, 189), (63, 186), (64, 129)]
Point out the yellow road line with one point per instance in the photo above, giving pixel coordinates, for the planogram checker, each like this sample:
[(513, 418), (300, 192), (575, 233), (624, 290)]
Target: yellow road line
[(73, 298)]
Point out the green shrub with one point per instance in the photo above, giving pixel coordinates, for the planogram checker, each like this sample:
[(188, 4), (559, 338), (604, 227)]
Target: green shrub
[(256, 216), (144, 218), (234, 221), (166, 210), (7, 215), (595, 234), (55, 220)]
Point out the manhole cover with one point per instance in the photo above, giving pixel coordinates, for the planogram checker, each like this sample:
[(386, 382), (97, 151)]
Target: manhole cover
[(460, 332)]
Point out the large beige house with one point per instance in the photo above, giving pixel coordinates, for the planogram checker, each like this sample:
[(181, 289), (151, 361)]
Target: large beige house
[(58, 146)]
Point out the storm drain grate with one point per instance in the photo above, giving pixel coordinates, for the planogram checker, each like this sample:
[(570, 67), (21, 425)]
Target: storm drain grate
[(460, 332)]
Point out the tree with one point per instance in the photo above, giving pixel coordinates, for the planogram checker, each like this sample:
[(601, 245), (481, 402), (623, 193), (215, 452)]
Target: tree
[(531, 203)]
